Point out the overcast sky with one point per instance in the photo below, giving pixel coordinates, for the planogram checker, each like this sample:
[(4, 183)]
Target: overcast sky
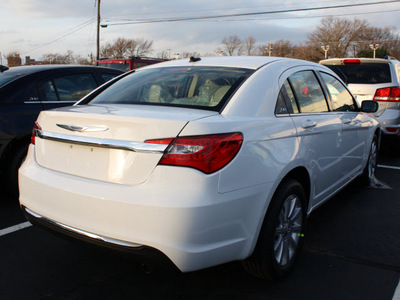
[(37, 27)]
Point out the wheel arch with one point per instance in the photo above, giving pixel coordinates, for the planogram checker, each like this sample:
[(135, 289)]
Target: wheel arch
[(20, 141), (298, 173), (301, 175)]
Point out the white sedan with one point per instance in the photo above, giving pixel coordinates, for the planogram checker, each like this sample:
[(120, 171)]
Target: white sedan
[(206, 160)]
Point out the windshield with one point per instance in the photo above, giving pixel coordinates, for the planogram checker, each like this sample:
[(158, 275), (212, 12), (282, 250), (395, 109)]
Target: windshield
[(200, 87), (363, 73), (4, 77)]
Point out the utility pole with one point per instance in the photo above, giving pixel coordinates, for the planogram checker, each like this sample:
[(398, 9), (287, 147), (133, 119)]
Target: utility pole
[(98, 31), (269, 49)]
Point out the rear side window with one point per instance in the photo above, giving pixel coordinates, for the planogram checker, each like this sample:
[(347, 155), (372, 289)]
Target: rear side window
[(286, 101), (340, 96), (363, 73), (198, 87), (4, 78), (106, 76), (67, 88), (119, 66), (308, 92)]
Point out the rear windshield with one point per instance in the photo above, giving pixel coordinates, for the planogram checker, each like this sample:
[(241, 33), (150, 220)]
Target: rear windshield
[(197, 87), (363, 73), (119, 66)]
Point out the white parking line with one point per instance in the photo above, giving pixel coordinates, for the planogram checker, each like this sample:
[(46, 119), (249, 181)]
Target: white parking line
[(14, 228), (396, 295), (389, 167)]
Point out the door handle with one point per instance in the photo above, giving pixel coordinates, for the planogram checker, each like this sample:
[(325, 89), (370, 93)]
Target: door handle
[(309, 124), (346, 121)]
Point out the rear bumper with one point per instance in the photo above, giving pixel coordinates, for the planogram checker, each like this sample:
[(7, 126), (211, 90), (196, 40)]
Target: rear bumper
[(390, 122), (184, 217)]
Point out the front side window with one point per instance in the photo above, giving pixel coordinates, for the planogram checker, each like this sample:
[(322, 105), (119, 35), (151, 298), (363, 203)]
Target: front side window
[(340, 96), (200, 87), (308, 92)]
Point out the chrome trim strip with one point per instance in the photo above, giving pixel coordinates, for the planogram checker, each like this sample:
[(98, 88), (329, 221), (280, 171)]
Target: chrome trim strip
[(103, 143), (82, 232), (49, 102), (80, 128)]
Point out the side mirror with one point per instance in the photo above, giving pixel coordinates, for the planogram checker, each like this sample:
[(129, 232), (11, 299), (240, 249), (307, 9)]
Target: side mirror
[(369, 106)]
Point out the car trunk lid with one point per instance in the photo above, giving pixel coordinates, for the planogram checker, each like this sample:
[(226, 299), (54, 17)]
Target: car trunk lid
[(107, 143)]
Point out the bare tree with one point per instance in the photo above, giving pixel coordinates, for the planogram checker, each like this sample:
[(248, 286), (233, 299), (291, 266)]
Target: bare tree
[(232, 44), (144, 47), (249, 45), (387, 39), (163, 54), (307, 52), (346, 37), (57, 58), (282, 48), (338, 33), (122, 48)]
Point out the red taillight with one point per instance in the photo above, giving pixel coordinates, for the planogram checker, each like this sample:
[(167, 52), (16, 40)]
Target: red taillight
[(392, 129), (390, 94), (351, 61), (207, 153), (35, 128)]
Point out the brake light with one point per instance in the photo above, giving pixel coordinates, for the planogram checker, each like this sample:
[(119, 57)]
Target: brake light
[(392, 129), (207, 153), (390, 94), (36, 127), (351, 61)]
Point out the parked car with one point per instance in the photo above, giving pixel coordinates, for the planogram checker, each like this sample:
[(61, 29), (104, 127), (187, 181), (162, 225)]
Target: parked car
[(128, 64), (208, 161), (373, 78), (27, 90)]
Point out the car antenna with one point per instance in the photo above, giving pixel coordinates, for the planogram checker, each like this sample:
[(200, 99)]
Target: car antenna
[(3, 68), (194, 59)]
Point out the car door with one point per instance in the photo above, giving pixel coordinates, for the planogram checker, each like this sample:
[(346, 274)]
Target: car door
[(354, 123), (319, 131), (65, 90)]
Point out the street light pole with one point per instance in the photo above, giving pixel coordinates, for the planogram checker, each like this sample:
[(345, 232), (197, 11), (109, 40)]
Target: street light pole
[(98, 31), (325, 48), (374, 48)]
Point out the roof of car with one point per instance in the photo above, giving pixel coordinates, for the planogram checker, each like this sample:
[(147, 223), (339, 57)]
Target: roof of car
[(25, 70), (249, 62)]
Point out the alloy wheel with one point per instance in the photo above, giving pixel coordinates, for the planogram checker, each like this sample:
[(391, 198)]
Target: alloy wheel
[(288, 230)]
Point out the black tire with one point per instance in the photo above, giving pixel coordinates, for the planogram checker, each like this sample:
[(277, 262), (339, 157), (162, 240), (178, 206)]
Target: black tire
[(368, 175), (12, 170), (280, 235)]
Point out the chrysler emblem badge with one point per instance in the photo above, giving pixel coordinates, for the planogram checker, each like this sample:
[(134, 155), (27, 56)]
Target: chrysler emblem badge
[(80, 128)]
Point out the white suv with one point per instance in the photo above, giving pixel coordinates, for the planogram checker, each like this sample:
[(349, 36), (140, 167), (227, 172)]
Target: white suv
[(373, 78)]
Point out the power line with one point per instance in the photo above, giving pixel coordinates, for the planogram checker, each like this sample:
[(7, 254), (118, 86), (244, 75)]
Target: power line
[(147, 21), (124, 17), (308, 17), (79, 27)]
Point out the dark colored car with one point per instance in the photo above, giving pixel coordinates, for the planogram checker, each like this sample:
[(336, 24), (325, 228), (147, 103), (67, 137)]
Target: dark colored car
[(27, 90)]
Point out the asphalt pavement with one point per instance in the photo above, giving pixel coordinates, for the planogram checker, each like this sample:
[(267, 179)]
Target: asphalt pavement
[(352, 251)]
